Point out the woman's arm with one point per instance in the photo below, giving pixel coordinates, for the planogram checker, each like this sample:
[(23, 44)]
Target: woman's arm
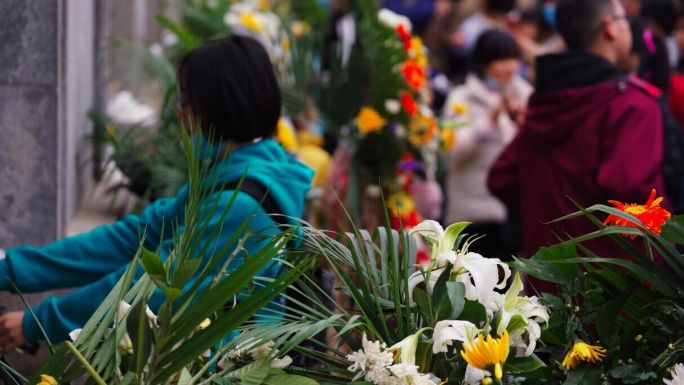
[(85, 258)]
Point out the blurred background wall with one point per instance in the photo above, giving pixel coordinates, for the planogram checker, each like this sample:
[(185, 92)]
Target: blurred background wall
[(57, 62)]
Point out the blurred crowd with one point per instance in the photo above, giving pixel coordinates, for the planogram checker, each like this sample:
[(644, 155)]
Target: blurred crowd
[(569, 103)]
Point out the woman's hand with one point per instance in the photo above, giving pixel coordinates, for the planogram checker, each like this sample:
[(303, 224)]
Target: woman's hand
[(12, 331)]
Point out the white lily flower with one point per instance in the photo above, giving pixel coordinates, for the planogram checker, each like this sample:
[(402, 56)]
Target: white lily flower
[(529, 310), (151, 316), (418, 277), (480, 276), (394, 20), (124, 307), (74, 334), (474, 376), (446, 332), (677, 376), (407, 347), (442, 241)]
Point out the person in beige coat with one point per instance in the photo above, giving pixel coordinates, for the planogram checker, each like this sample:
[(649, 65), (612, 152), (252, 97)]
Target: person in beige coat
[(493, 101)]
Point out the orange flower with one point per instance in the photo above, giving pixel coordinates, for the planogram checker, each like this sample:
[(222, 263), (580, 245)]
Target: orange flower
[(369, 120), (414, 74), (408, 103), (651, 215)]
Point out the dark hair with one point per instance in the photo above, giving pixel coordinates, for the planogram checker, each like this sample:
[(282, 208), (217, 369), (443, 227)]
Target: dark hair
[(500, 6), (662, 12), (231, 88), (491, 46), (654, 63), (579, 21), (636, 25)]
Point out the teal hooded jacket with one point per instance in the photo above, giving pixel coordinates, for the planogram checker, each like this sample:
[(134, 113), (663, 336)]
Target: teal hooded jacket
[(94, 261)]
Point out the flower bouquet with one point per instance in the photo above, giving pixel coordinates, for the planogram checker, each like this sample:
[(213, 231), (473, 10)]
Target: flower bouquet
[(462, 318), (615, 318)]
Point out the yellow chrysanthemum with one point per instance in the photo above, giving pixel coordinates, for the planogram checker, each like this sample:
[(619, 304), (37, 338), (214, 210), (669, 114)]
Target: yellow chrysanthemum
[(583, 352), (400, 204), (369, 120), (286, 136), (46, 379), (422, 129), (487, 354), (250, 22), (459, 108)]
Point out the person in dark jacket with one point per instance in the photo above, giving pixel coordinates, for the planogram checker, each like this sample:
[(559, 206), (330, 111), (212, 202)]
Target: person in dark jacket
[(590, 134)]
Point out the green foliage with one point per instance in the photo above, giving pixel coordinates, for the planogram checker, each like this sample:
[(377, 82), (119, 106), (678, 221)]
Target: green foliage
[(132, 348), (629, 302)]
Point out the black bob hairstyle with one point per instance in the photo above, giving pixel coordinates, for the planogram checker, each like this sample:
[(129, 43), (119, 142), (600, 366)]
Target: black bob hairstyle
[(491, 46), (230, 86)]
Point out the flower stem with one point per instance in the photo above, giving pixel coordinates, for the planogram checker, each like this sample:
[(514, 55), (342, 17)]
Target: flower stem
[(85, 364)]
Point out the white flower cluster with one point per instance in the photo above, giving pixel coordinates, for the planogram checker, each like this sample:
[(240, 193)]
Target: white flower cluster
[(482, 280), (677, 374), (253, 18), (376, 364), (124, 109), (254, 350), (394, 20)]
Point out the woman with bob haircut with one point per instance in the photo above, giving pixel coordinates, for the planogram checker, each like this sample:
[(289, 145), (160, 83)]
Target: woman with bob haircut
[(229, 87)]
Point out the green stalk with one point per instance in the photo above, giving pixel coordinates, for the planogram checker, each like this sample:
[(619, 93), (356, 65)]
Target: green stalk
[(85, 364)]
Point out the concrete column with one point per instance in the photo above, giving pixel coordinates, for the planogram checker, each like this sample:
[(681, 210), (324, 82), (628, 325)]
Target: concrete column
[(31, 117), (46, 89)]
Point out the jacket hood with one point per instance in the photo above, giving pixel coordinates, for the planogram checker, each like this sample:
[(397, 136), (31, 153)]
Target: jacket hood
[(286, 178), (570, 88)]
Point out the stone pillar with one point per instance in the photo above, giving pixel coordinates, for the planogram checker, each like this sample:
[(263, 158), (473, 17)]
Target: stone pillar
[(46, 89)]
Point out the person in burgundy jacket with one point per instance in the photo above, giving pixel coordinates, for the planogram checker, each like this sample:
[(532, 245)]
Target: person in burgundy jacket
[(590, 134)]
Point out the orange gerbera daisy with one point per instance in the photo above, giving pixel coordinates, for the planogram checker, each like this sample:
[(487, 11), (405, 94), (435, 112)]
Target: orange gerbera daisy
[(414, 74), (651, 215), (369, 120)]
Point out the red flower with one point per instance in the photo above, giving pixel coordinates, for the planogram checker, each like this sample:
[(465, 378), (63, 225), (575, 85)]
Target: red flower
[(407, 221), (414, 74), (408, 103), (404, 36), (423, 257), (651, 215)]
